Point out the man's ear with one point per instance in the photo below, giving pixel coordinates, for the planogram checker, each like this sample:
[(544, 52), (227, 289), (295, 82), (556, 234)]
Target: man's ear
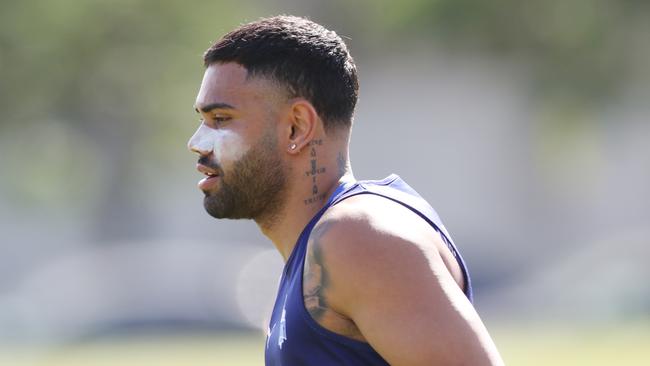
[(303, 124)]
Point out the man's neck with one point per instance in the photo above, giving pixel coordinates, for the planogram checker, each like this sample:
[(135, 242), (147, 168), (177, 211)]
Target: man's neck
[(312, 180)]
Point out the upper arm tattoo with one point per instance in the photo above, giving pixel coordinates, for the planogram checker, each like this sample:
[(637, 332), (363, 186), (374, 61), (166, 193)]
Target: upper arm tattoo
[(315, 276)]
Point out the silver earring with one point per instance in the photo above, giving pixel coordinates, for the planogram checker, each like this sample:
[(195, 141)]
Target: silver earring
[(293, 146)]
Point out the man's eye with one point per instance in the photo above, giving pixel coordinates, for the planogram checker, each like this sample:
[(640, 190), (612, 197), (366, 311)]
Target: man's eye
[(221, 119)]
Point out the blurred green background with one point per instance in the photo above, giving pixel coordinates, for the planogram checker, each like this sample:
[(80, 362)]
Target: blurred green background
[(525, 124)]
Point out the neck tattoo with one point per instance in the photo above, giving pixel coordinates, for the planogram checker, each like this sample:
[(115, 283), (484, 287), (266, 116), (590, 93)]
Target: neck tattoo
[(313, 172)]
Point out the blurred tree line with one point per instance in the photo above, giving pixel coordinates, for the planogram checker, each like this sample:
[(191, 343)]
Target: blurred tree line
[(91, 89), (585, 48)]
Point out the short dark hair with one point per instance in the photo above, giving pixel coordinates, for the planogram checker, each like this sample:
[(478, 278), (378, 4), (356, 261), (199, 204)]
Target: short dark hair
[(310, 60)]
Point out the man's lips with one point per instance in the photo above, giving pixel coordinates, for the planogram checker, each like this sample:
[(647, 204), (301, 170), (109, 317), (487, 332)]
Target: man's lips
[(209, 172), (211, 177)]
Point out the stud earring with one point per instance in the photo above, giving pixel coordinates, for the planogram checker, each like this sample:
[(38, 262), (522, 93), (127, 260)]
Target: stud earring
[(293, 146)]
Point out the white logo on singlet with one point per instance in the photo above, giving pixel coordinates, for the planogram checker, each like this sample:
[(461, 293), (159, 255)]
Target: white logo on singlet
[(282, 335), (283, 329)]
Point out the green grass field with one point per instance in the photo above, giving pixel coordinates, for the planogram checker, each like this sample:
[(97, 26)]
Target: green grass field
[(615, 345)]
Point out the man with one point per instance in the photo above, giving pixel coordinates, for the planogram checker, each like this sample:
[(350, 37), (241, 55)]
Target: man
[(371, 276)]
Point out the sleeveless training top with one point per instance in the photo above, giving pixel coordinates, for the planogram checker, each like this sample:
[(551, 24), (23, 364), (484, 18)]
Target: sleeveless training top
[(294, 337)]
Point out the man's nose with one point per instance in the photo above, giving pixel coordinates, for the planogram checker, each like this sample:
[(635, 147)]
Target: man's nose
[(200, 142)]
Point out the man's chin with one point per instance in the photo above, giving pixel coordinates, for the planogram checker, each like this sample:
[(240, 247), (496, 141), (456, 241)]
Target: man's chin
[(212, 207), (217, 215), (221, 209)]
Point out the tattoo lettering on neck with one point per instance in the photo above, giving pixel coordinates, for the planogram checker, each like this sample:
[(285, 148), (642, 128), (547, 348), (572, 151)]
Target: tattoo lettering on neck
[(315, 277), (341, 162), (313, 172)]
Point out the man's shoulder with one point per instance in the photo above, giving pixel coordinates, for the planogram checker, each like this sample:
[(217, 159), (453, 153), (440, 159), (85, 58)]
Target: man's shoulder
[(371, 228), (377, 263), (373, 216)]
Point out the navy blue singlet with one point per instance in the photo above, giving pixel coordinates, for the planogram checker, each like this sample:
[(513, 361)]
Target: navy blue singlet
[(294, 337)]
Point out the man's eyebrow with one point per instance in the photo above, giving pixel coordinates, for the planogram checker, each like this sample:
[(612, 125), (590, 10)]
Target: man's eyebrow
[(209, 107)]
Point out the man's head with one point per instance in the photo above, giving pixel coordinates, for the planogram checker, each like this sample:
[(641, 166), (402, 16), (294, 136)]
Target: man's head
[(262, 82)]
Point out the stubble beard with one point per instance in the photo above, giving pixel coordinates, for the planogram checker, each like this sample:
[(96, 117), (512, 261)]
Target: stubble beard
[(253, 188)]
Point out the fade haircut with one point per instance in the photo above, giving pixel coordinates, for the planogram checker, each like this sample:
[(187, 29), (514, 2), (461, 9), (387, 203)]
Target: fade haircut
[(309, 60)]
